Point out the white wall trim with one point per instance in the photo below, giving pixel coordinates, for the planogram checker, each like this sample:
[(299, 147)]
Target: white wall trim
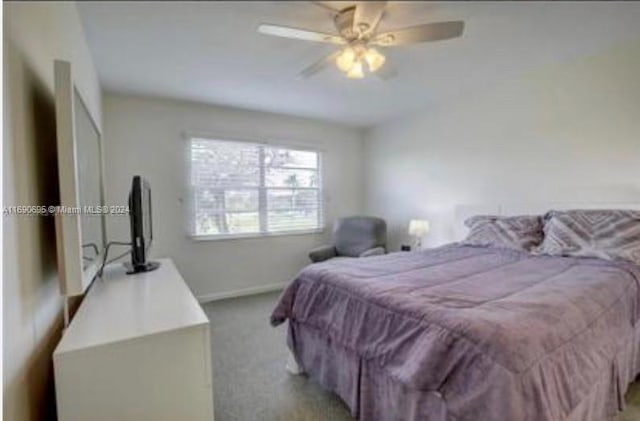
[(207, 298), (315, 146)]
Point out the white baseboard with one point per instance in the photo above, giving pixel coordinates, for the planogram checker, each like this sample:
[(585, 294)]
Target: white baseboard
[(206, 298)]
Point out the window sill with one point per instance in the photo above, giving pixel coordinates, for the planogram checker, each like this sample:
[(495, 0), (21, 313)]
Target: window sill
[(227, 237)]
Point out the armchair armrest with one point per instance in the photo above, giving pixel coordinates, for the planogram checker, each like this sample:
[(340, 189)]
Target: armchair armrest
[(322, 253), (376, 251)]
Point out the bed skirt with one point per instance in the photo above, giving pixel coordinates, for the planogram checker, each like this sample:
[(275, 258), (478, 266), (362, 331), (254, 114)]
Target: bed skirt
[(372, 395)]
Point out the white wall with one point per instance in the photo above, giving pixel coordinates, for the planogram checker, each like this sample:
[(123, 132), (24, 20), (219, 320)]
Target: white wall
[(567, 133), (34, 35), (144, 136)]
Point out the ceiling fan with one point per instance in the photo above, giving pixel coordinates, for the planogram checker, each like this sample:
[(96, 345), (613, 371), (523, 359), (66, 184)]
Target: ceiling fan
[(358, 36)]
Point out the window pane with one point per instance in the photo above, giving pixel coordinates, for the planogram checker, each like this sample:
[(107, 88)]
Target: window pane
[(224, 164), (282, 177), (227, 223), (237, 186), (239, 223), (241, 200), (281, 199), (219, 200), (280, 157), (208, 223), (209, 200), (292, 220)]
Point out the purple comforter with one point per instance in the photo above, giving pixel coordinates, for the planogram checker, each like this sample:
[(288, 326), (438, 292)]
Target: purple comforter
[(493, 334)]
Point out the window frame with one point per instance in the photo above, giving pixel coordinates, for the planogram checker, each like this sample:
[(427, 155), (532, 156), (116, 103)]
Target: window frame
[(262, 190)]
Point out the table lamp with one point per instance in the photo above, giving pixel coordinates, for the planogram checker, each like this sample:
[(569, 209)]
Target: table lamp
[(418, 228)]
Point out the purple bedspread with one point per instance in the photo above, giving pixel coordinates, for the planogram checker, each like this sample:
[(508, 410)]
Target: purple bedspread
[(493, 334)]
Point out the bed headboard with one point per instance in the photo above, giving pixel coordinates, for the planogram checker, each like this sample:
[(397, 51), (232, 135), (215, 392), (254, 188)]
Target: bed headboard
[(462, 212)]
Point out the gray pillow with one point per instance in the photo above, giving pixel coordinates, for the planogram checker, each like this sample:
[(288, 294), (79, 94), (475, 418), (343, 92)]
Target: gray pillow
[(607, 234), (521, 232)]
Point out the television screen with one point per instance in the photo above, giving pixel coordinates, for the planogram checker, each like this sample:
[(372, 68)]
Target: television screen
[(141, 225), (146, 212)]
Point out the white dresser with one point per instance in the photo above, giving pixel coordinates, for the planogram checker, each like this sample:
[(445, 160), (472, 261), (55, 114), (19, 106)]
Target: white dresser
[(137, 349)]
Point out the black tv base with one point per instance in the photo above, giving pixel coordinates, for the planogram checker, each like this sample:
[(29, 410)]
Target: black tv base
[(146, 267)]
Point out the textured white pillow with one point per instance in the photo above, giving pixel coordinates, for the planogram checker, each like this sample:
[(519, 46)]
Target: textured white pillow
[(607, 234), (521, 232)]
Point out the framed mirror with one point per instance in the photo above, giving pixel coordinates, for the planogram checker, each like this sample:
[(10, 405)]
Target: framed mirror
[(80, 219)]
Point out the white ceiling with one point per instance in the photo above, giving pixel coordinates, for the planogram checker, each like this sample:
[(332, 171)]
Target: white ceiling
[(210, 52)]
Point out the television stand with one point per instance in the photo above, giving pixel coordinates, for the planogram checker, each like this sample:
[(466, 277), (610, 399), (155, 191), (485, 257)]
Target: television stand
[(147, 267), (138, 348)]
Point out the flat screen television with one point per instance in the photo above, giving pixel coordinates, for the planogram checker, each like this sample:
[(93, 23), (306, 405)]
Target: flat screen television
[(141, 225)]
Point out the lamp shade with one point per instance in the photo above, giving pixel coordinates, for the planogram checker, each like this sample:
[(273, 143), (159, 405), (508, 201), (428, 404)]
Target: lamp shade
[(345, 59), (356, 71), (374, 59), (418, 227)]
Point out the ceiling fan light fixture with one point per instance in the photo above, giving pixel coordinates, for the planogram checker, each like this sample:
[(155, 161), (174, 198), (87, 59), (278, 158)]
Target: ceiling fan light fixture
[(374, 59), (358, 29), (346, 59), (356, 71)]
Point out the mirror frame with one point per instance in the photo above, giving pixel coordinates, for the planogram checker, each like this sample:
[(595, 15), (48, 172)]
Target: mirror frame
[(73, 278)]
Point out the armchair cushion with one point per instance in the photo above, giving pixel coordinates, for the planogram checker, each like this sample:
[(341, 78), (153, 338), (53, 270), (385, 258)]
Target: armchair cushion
[(322, 253), (357, 234), (376, 251)]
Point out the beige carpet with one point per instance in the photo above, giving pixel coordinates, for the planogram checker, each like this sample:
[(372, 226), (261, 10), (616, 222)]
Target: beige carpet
[(250, 382)]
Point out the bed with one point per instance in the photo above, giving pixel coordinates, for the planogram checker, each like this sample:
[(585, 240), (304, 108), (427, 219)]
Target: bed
[(468, 333)]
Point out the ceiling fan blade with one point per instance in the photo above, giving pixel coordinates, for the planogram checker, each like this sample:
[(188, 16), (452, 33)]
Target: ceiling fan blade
[(318, 65), (386, 72), (301, 34), (327, 5), (421, 33), (367, 16)]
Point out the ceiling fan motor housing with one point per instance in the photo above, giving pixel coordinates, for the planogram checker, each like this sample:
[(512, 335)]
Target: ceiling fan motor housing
[(344, 23)]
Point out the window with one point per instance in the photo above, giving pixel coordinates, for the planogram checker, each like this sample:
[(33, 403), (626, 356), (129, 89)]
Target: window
[(245, 189)]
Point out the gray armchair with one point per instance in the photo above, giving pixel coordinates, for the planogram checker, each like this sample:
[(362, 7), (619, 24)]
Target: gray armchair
[(355, 236)]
